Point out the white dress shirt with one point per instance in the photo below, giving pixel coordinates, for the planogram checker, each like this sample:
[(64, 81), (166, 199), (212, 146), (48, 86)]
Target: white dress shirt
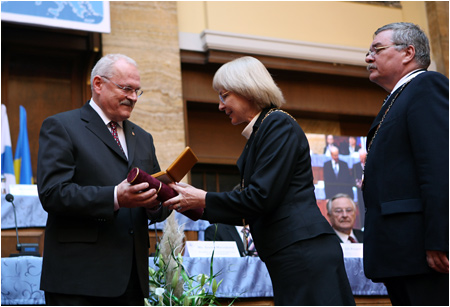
[(121, 135), (247, 132), (344, 236)]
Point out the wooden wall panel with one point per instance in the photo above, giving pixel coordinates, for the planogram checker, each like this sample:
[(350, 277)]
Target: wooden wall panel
[(338, 103), (37, 234), (46, 71), (27, 235), (212, 136)]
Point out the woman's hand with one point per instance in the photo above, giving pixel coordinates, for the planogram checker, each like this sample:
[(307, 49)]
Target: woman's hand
[(188, 198)]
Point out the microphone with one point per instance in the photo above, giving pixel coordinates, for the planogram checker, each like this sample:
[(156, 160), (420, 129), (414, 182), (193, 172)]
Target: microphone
[(9, 198), (25, 249)]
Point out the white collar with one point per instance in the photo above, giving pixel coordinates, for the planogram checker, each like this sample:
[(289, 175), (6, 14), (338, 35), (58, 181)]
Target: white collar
[(247, 132), (408, 77), (100, 112), (344, 236)]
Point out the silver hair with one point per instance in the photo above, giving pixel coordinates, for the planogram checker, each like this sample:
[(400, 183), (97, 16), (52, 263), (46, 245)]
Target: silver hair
[(248, 77), (339, 195), (105, 66), (406, 34)]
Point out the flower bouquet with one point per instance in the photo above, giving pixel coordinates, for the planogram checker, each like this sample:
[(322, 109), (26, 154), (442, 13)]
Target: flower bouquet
[(170, 283)]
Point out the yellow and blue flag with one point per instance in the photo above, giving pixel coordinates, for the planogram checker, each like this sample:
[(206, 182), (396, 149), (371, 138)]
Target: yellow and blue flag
[(7, 154), (22, 158)]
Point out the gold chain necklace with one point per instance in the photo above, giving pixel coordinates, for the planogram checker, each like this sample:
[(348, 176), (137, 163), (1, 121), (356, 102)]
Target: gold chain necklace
[(379, 125), (267, 114), (276, 110)]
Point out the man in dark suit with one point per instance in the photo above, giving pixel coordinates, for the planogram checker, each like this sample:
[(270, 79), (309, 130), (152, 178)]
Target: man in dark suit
[(341, 211), (336, 176), (406, 186), (224, 232), (96, 238)]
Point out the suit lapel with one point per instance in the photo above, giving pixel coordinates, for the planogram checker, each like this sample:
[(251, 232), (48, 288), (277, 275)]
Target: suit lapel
[(130, 137), (380, 115), (359, 235), (236, 237), (243, 158), (386, 104), (95, 124), (377, 120)]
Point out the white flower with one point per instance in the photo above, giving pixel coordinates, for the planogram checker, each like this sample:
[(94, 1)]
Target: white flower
[(159, 291), (202, 277), (152, 288)]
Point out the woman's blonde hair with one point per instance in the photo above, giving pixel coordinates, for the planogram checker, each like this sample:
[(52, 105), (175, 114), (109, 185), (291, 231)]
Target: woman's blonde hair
[(248, 77)]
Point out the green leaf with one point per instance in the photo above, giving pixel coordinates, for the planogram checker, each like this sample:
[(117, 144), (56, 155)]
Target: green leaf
[(214, 286), (203, 280), (175, 280), (196, 290)]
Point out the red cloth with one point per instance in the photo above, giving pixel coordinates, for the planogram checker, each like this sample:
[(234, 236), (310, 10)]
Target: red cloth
[(164, 192)]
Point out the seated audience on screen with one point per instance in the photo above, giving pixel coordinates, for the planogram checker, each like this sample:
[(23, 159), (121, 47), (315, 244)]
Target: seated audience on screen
[(350, 147), (329, 142)]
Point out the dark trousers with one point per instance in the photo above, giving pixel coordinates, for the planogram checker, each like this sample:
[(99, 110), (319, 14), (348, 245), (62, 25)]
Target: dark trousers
[(310, 273), (132, 297), (419, 290)]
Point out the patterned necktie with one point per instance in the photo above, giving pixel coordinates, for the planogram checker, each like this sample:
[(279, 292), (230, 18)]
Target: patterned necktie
[(249, 245), (351, 239), (113, 126)]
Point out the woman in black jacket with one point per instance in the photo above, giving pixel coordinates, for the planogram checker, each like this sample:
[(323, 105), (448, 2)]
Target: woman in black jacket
[(276, 199)]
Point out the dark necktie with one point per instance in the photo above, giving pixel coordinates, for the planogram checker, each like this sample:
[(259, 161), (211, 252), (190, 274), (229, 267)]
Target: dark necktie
[(351, 239), (113, 126), (336, 170)]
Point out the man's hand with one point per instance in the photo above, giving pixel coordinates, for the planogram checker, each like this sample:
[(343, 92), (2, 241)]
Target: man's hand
[(438, 261), (132, 196)]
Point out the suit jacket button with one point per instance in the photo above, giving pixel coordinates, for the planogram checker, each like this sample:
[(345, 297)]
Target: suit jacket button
[(131, 231)]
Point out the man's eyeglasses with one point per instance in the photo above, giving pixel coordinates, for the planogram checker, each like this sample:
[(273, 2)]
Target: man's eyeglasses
[(128, 90), (223, 95), (378, 49), (340, 211)]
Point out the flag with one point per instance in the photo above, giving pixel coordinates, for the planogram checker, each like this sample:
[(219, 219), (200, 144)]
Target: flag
[(22, 159), (7, 155)]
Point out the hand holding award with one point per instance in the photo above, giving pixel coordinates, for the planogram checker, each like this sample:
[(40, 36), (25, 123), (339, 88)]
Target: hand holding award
[(164, 192)]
